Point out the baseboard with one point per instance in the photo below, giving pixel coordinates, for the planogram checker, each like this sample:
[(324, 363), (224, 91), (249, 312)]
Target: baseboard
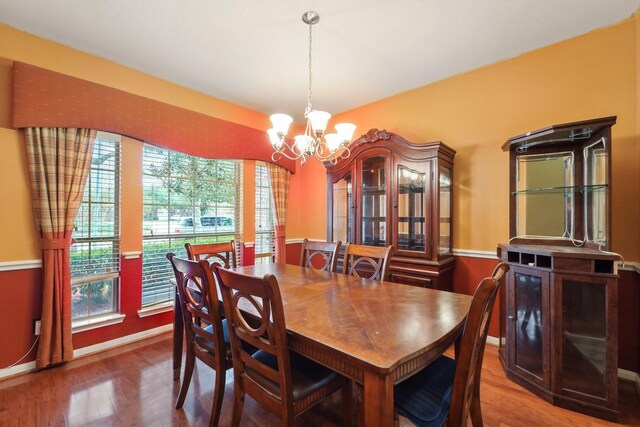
[(495, 341), (85, 351), (107, 345), (17, 370)]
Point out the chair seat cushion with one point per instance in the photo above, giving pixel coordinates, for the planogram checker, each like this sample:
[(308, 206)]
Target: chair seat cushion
[(208, 345), (425, 397), (306, 375)]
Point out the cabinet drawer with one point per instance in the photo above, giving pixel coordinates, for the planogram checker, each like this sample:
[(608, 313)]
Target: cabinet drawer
[(406, 279)]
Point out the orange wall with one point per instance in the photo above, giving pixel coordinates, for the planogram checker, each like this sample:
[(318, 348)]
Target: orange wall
[(594, 75)]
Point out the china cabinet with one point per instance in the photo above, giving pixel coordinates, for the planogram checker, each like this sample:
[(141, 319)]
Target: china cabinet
[(394, 192), (559, 330)]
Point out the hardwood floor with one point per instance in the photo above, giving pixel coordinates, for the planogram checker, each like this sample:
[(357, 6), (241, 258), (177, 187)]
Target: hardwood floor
[(132, 386)]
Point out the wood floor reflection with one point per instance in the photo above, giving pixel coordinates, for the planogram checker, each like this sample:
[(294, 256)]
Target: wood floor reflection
[(132, 386)]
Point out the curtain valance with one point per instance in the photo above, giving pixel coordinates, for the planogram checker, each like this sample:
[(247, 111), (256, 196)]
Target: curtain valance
[(44, 98)]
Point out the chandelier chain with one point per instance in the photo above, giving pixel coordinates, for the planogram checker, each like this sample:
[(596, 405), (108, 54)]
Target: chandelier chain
[(310, 71)]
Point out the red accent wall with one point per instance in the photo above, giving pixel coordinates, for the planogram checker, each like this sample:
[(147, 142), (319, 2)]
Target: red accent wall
[(293, 253), (468, 274), (248, 255), (20, 304), (130, 303)]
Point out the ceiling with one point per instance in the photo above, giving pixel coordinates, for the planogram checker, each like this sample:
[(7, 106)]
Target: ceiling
[(254, 52)]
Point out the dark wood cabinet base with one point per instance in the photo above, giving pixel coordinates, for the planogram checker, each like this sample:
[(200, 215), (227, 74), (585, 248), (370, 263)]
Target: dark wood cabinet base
[(433, 275), (557, 400)]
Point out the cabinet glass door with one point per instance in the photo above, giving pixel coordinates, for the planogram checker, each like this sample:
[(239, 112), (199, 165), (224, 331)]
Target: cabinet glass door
[(342, 210), (374, 201), (444, 183), (411, 205), (527, 325), (584, 336)]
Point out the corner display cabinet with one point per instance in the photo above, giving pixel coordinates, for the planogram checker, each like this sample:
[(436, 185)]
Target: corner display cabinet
[(559, 315), (394, 192)]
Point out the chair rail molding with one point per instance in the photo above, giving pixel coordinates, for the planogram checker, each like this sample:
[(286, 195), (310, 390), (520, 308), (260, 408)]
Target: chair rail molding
[(131, 254), (472, 253), (20, 265)]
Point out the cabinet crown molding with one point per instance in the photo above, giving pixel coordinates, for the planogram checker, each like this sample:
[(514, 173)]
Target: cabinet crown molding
[(372, 136)]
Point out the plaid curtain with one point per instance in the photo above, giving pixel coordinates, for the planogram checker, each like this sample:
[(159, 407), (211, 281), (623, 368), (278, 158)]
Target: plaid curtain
[(59, 163), (279, 181)]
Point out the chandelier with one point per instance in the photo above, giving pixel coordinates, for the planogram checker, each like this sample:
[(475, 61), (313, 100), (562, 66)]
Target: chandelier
[(314, 142)]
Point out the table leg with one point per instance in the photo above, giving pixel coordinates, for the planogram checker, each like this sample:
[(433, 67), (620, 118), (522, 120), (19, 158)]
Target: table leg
[(178, 332), (378, 400), (456, 348)]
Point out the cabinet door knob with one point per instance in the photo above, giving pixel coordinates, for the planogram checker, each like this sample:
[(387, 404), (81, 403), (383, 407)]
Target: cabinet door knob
[(395, 206), (510, 317)]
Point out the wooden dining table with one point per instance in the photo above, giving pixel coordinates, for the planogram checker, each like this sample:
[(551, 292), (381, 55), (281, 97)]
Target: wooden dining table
[(375, 333)]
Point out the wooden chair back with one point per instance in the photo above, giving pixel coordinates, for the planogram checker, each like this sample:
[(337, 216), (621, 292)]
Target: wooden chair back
[(199, 300), (266, 331), (466, 384), (500, 270), (373, 260), (218, 253), (320, 255)]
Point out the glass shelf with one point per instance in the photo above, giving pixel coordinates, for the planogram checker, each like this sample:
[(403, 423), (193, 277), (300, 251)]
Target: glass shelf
[(561, 189), (378, 189)]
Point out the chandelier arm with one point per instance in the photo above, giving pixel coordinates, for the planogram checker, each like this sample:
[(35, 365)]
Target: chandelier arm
[(339, 153), (292, 154)]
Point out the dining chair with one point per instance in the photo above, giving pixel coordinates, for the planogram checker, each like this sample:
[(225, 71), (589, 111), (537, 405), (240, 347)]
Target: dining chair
[(369, 262), (222, 253), (500, 270), (208, 343), (448, 390), (284, 382), (320, 255)]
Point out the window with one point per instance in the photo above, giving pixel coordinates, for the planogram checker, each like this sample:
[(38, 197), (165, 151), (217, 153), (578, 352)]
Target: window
[(264, 249), (186, 199), (95, 256)]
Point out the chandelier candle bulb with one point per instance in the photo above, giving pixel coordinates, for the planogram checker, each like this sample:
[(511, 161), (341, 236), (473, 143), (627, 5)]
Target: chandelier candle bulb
[(281, 123), (276, 141), (303, 143), (333, 141), (345, 131), (319, 120), (334, 146)]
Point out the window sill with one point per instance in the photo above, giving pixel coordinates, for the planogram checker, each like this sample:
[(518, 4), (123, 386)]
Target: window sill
[(152, 310), (96, 322)]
